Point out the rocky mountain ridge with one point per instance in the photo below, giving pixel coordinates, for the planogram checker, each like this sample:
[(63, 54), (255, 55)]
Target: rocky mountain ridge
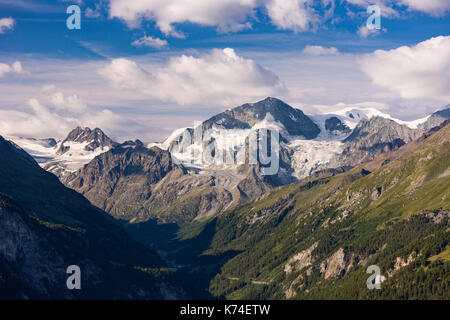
[(136, 183)]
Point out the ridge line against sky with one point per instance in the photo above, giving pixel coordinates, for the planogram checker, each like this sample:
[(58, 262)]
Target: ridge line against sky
[(141, 68)]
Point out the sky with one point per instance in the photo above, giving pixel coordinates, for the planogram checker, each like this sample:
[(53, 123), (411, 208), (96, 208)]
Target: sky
[(142, 68)]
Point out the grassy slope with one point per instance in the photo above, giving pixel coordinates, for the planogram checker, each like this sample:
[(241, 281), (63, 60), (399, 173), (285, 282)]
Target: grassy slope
[(383, 220)]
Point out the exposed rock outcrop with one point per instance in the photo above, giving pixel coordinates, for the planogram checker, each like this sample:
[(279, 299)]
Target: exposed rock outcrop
[(336, 265), (301, 260)]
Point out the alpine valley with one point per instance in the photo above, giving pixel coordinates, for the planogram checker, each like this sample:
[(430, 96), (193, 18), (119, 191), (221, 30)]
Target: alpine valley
[(354, 188)]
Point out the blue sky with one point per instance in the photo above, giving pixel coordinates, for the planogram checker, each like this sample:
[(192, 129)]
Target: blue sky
[(142, 68)]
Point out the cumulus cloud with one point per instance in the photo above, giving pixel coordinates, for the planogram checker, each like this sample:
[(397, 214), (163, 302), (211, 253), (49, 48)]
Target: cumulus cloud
[(6, 24), (319, 50), (146, 41), (433, 7), (71, 103), (226, 15), (220, 76), (297, 15), (365, 32), (16, 67), (386, 6), (421, 71), (41, 121), (235, 15), (48, 87)]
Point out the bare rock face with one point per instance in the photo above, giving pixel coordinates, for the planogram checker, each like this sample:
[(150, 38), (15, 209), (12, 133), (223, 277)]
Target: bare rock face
[(301, 260), (437, 217), (401, 262), (374, 137), (436, 119), (338, 264), (123, 176), (334, 124), (28, 253), (376, 193)]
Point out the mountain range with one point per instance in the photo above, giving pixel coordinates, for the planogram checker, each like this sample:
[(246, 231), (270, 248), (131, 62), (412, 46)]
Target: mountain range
[(353, 188), (135, 182)]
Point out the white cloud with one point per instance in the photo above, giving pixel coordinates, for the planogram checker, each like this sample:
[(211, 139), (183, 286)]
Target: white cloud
[(421, 71), (48, 87), (226, 15), (297, 15), (146, 41), (126, 74), (6, 24), (385, 6), (40, 121), (319, 50), (153, 85), (16, 67), (365, 32), (71, 103), (220, 77), (433, 7), (4, 68)]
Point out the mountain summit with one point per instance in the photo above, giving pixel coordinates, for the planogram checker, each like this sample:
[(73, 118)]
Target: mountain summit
[(246, 116), (91, 139), (436, 118), (64, 158)]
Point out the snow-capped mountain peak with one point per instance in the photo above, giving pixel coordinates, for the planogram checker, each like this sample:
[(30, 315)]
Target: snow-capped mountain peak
[(67, 156), (90, 140), (351, 116), (311, 142)]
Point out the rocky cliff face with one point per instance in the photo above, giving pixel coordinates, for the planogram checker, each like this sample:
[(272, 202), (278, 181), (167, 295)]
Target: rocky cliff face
[(121, 179), (31, 265), (436, 119), (334, 124), (336, 265), (373, 137)]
